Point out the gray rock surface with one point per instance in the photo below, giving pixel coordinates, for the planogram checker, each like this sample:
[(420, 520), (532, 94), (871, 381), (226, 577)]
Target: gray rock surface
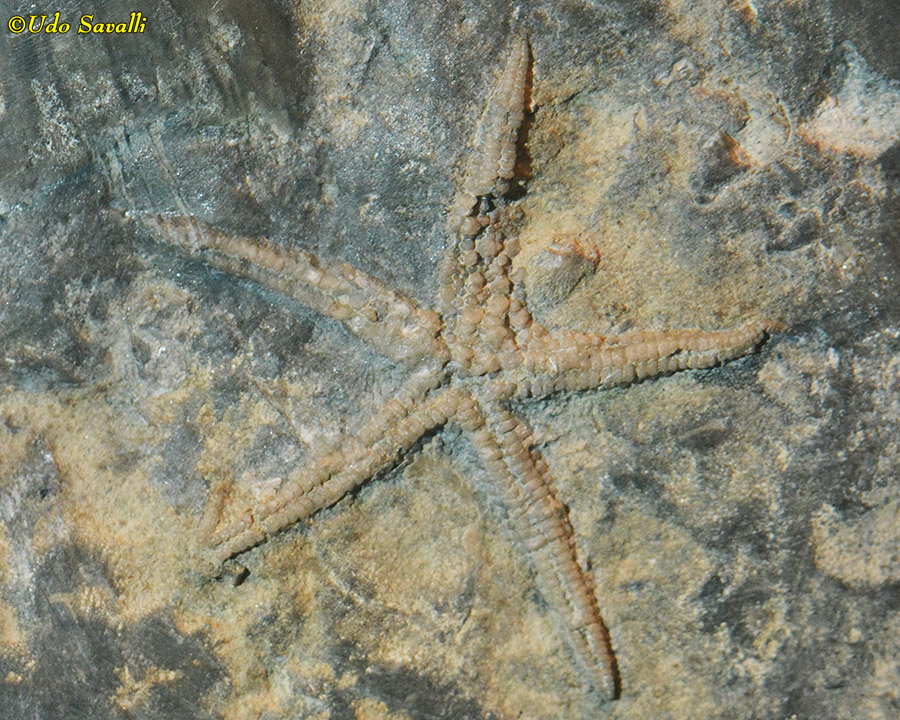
[(686, 165)]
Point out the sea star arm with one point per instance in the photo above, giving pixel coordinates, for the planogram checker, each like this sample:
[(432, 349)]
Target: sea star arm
[(389, 323), (543, 526), (327, 477), (492, 154), (489, 168), (566, 360)]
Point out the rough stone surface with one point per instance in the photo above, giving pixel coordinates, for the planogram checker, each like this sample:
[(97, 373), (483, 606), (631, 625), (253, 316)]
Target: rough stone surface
[(709, 162)]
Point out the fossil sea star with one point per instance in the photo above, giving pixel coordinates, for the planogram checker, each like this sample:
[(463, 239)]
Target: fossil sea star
[(466, 360)]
